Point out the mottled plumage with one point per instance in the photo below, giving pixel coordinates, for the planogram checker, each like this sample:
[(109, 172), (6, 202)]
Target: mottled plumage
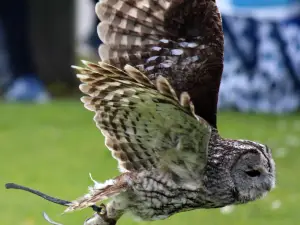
[(178, 39), (172, 160), (158, 57), (145, 125)]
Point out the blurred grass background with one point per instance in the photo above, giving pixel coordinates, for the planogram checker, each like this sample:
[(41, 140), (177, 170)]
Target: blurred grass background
[(53, 147)]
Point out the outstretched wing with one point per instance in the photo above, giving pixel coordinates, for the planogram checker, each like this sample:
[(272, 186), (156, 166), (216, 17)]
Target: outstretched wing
[(145, 125), (181, 40)]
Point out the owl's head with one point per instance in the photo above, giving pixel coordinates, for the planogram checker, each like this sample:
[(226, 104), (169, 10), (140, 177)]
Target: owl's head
[(253, 172)]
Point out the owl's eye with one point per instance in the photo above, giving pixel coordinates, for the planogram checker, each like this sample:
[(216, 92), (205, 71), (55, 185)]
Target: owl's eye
[(253, 173)]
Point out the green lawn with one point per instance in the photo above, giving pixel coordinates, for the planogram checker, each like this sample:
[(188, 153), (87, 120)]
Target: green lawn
[(54, 147)]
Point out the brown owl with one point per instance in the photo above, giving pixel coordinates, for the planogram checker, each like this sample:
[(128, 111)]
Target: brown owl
[(158, 58)]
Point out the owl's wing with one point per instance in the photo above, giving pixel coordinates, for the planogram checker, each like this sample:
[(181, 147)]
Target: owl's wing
[(181, 40), (145, 125)]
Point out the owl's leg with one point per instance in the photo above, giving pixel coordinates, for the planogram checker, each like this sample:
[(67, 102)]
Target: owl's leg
[(108, 216)]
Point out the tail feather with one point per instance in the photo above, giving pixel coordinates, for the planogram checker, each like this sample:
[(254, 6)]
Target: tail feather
[(99, 192)]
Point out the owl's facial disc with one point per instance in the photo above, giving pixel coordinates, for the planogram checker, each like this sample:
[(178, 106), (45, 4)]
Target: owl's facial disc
[(254, 173)]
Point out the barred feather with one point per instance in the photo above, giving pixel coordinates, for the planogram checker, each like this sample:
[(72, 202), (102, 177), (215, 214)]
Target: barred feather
[(142, 121), (181, 40), (164, 87)]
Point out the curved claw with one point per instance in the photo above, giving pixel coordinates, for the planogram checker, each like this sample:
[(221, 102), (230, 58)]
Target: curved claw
[(47, 218), (103, 212), (103, 215)]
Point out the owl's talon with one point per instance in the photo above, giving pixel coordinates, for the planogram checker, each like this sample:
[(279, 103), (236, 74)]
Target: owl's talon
[(103, 211), (104, 217)]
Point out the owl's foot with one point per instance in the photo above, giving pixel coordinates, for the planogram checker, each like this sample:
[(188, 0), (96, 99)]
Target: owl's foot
[(100, 218)]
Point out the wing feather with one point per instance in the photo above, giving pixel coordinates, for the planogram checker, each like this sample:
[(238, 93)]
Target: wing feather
[(145, 125), (181, 40)]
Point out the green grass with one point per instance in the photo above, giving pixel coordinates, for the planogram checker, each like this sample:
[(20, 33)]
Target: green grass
[(53, 148)]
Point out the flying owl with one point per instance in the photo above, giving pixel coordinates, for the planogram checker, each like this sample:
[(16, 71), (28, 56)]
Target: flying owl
[(158, 58), (155, 95)]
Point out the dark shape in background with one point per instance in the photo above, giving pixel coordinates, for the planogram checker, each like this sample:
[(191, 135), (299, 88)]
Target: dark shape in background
[(52, 35)]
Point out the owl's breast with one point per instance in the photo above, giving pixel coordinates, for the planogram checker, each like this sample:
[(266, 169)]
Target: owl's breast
[(155, 196)]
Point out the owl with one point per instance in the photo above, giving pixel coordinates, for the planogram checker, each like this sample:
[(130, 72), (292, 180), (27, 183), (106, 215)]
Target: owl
[(154, 94)]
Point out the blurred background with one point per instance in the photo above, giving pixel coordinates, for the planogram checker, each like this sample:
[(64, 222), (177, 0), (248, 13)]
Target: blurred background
[(49, 141)]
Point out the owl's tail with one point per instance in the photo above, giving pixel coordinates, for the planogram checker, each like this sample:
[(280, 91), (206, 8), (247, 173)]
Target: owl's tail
[(100, 192)]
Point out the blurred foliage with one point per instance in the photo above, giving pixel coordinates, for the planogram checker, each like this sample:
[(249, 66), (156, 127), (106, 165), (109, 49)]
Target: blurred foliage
[(53, 147)]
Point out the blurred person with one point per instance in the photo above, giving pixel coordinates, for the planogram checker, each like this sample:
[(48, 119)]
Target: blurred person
[(262, 55), (25, 85), (5, 73)]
